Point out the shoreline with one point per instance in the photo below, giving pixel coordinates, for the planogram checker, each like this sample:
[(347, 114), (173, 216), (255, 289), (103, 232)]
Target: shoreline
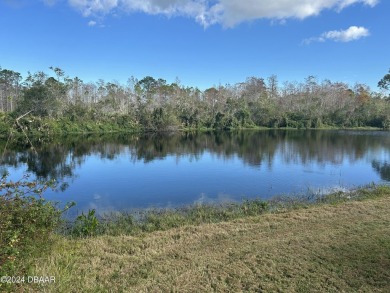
[(62, 255), (333, 245)]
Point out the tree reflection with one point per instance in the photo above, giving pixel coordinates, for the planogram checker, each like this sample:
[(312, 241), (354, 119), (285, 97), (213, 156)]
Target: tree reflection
[(383, 168), (59, 158)]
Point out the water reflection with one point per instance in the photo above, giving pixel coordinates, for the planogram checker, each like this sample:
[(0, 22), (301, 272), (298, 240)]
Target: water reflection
[(276, 155), (59, 158), (383, 168)]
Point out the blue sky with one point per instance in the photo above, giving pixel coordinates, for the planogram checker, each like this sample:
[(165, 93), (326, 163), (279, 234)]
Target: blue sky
[(203, 43)]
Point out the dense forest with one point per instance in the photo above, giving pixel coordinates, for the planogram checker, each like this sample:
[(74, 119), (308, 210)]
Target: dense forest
[(60, 104)]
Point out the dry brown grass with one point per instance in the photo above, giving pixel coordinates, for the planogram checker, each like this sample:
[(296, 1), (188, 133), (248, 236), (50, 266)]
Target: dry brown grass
[(330, 248)]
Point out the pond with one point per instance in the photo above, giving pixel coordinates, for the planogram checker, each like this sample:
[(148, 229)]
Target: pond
[(130, 171)]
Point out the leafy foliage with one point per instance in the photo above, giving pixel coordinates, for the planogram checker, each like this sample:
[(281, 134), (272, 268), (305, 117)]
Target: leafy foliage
[(27, 221), (66, 105), (85, 225), (384, 83)]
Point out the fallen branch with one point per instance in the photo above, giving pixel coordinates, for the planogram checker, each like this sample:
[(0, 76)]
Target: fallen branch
[(20, 126), (17, 119)]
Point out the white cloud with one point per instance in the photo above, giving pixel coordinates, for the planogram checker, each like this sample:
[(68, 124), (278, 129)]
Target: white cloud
[(236, 11), (350, 34), (88, 7), (225, 12), (92, 23)]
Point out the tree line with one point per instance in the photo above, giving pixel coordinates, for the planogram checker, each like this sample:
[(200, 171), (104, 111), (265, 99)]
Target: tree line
[(154, 104)]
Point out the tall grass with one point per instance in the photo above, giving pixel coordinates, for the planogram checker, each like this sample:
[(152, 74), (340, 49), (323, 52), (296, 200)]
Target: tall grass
[(163, 219), (150, 220)]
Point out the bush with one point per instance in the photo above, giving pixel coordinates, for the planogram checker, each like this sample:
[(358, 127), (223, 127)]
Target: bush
[(86, 225), (26, 222)]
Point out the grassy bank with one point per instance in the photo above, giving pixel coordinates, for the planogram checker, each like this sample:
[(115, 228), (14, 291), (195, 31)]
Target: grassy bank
[(337, 243)]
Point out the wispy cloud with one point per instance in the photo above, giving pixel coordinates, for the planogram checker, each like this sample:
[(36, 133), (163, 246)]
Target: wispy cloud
[(350, 34), (92, 23), (236, 11), (49, 2), (15, 3), (225, 12)]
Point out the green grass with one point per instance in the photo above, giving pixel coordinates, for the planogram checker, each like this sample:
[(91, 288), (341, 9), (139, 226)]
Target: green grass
[(311, 243), (150, 220)]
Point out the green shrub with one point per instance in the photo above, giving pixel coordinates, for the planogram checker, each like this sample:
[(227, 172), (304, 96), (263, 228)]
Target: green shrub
[(27, 221), (86, 225)]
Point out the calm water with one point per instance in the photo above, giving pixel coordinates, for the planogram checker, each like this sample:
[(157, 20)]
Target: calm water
[(121, 172)]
